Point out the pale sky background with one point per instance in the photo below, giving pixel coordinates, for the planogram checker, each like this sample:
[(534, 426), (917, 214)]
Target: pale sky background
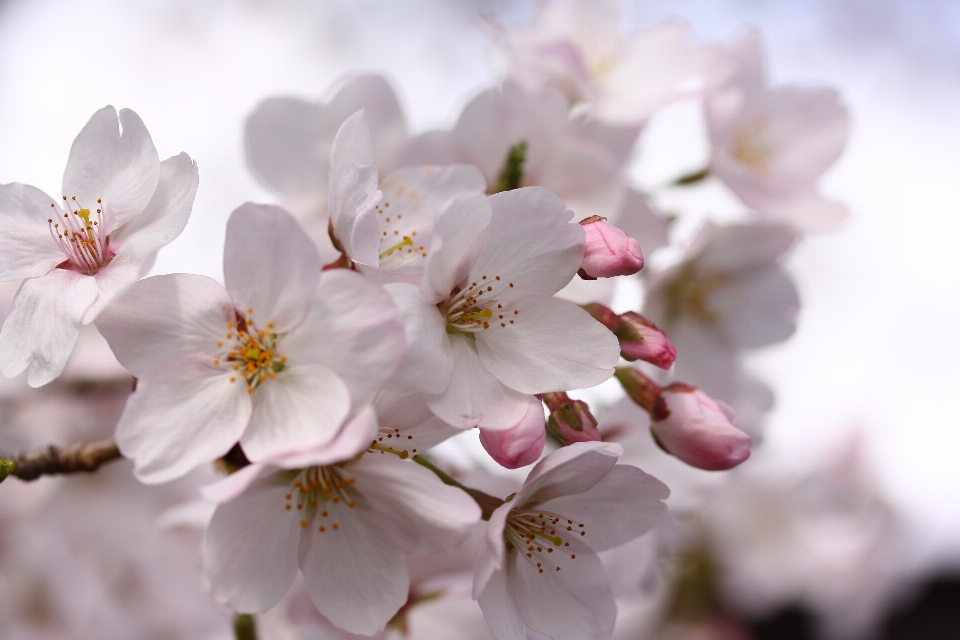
[(878, 343)]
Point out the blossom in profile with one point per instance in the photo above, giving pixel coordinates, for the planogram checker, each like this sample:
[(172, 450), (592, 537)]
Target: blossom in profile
[(770, 145), (345, 520), (608, 251), (277, 360), (537, 567), (76, 253)]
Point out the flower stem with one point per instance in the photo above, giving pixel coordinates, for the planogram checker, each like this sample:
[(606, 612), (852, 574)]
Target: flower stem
[(487, 503)]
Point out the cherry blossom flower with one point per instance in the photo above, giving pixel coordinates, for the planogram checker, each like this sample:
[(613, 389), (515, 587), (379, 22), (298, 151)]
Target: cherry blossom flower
[(119, 206), (483, 331), (549, 149), (388, 225), (537, 568), (345, 520), (577, 46), (277, 360), (771, 145)]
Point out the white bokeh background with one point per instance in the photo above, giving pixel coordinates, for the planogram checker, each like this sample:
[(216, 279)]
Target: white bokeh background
[(879, 337)]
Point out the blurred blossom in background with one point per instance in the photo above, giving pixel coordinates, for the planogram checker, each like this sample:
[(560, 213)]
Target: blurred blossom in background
[(849, 505)]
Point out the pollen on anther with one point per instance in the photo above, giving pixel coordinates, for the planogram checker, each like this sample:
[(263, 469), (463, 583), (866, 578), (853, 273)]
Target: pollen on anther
[(511, 285), (303, 523), (573, 556), (322, 529), (216, 361), (335, 526), (287, 507), (233, 378)]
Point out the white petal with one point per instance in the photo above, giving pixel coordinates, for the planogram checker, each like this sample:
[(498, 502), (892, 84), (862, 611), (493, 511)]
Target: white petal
[(474, 398), (500, 610), (354, 329), (428, 361), (408, 419), (353, 437), (164, 316), (250, 548), (44, 323), (285, 146), (568, 471), (354, 576), (425, 515), (168, 211), (232, 486), (742, 247), (532, 242), (491, 552), (353, 213), (120, 168), (412, 197), (575, 603), (269, 265), (459, 236), (304, 406), (758, 309), (185, 412), (27, 249), (553, 345), (624, 505), (381, 109), (352, 146)]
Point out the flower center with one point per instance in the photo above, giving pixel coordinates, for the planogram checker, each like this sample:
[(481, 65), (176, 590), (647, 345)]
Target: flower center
[(467, 310), (542, 537), (251, 352), (688, 294), (399, 245), (320, 492), (751, 146), (81, 236)]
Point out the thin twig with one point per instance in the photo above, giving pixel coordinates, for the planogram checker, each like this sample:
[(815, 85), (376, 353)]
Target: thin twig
[(487, 503), (53, 460)]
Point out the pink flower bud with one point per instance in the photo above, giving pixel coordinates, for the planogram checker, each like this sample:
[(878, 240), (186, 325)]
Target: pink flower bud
[(609, 251), (697, 429), (640, 339), (570, 420), (522, 443)]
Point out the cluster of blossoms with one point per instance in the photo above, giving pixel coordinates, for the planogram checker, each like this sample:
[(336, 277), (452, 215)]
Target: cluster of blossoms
[(416, 287)]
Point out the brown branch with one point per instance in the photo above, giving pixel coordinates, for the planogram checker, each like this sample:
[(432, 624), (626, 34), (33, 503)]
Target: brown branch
[(53, 460)]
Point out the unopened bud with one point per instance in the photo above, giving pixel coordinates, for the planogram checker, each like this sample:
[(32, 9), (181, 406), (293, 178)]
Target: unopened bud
[(699, 430), (522, 443), (608, 251), (7, 467), (570, 420), (640, 339)]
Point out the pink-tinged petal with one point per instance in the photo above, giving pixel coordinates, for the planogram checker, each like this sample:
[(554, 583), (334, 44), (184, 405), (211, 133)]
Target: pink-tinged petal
[(575, 603), (474, 398), (352, 146), (742, 247), (27, 249), (638, 220), (522, 443), (381, 109), (491, 552), (43, 324), (354, 576), (424, 514), (759, 308), (250, 548), (499, 609), (353, 213), (624, 505), (431, 147), (284, 146), (532, 242), (569, 470), (412, 198), (552, 345), (698, 431), (406, 422), (609, 252), (185, 412), (354, 329), (232, 486), (122, 169), (428, 361), (808, 129), (270, 266), (353, 437), (168, 210), (165, 316), (459, 235), (304, 406)]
